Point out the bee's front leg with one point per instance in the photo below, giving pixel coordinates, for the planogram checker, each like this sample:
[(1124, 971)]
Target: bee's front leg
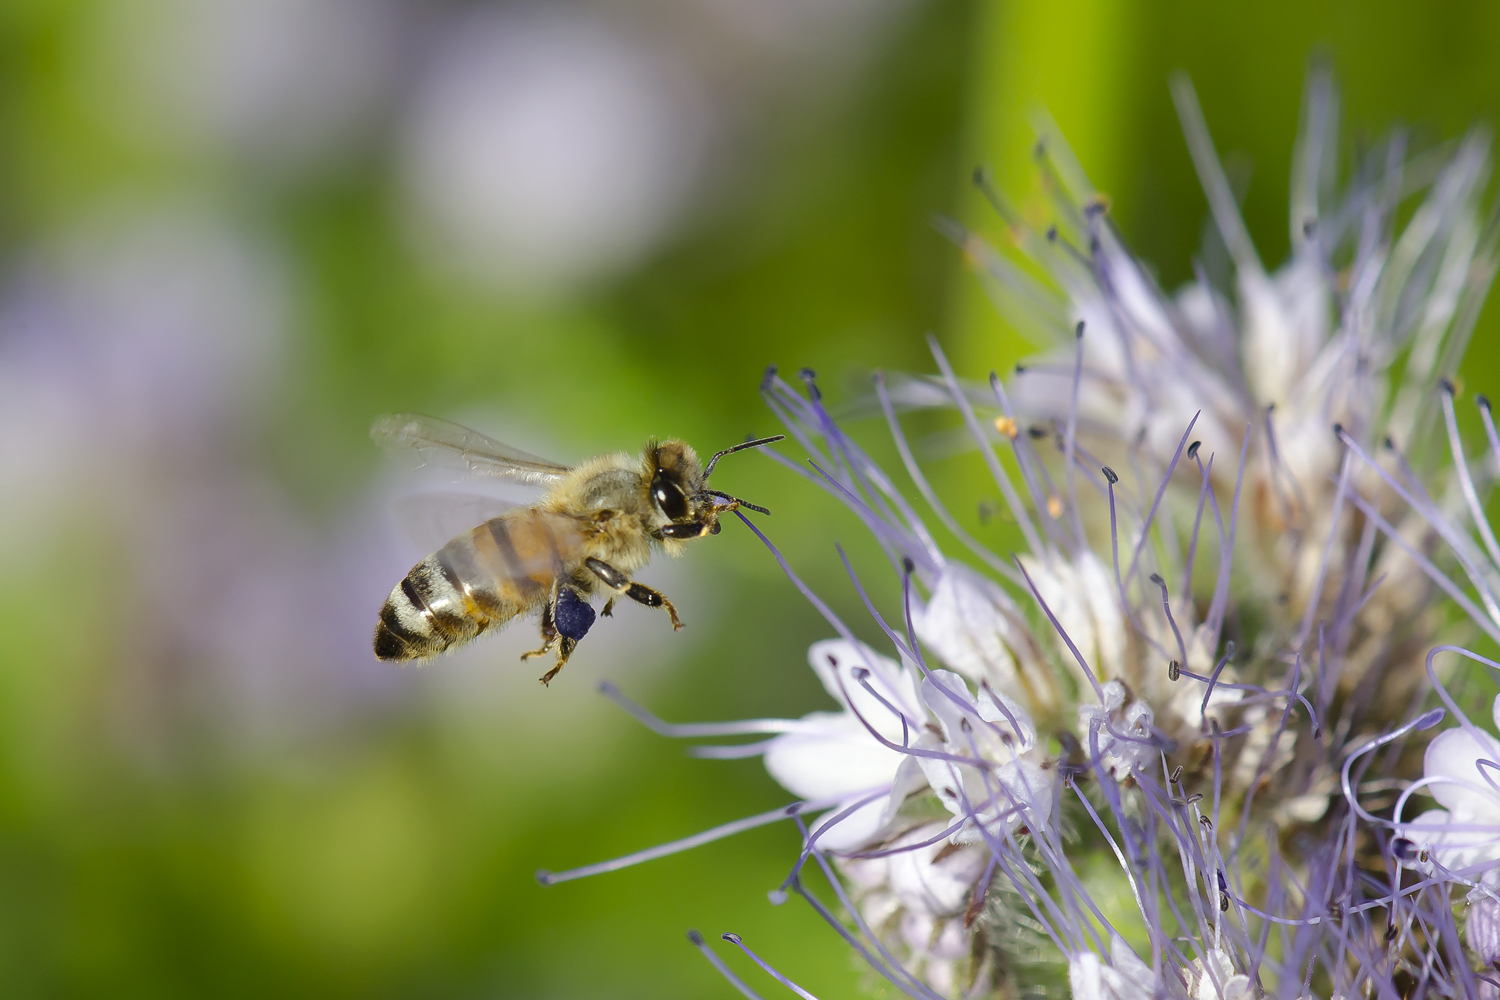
[(638, 592)]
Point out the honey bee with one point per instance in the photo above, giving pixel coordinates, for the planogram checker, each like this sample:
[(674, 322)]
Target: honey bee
[(597, 523)]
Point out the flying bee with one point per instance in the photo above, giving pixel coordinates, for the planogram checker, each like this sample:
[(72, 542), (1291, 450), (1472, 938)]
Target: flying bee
[(597, 523)]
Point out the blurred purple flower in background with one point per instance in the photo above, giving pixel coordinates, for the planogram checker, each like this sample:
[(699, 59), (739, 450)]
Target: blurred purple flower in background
[(143, 349), (545, 148)]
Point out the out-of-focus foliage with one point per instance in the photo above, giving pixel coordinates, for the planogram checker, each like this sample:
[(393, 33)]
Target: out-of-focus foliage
[(233, 231)]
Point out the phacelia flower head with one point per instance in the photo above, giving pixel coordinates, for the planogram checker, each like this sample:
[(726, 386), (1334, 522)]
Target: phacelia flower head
[(1110, 764)]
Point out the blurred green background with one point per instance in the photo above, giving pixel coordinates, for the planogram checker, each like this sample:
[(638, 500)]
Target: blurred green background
[(234, 231)]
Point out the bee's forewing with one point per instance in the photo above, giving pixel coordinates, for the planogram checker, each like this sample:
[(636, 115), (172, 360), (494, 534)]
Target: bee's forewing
[(448, 445), (430, 520)]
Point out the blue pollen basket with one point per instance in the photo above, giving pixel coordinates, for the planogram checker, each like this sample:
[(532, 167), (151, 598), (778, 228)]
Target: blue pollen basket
[(573, 616)]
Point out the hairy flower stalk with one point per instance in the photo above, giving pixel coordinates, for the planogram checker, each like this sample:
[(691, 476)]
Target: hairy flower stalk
[(1172, 747)]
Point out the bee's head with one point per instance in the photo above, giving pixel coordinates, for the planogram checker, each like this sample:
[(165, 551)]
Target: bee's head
[(686, 508), (675, 477)]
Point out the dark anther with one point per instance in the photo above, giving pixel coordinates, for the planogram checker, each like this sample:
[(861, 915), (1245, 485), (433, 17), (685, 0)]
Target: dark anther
[(1110, 475), (1195, 798), (695, 937), (859, 673), (908, 565), (1156, 579), (1206, 823), (1193, 449), (1020, 369), (1335, 909), (1338, 430), (1388, 443), (768, 377), (1309, 227), (1078, 330), (1176, 774), (1223, 902), (731, 937), (1036, 433), (1483, 401), (1391, 931), (1223, 883), (1174, 670), (978, 176), (1051, 234), (1446, 386), (810, 377)]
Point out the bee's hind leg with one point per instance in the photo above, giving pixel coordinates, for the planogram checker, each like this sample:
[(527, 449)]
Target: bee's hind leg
[(566, 620), (564, 650), (638, 592)]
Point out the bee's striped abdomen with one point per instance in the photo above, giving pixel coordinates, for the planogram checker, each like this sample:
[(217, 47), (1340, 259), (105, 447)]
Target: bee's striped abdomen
[(476, 581)]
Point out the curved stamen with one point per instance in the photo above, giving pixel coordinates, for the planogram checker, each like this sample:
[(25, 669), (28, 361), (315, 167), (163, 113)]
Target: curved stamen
[(718, 964)]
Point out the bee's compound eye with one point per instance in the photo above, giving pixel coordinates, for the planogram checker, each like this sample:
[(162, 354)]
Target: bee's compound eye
[(669, 497)]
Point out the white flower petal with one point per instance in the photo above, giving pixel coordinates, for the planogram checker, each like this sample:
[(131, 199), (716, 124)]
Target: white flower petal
[(853, 830), (836, 662), (977, 630), (940, 888), (947, 696), (837, 759), (1453, 758), (1129, 965)]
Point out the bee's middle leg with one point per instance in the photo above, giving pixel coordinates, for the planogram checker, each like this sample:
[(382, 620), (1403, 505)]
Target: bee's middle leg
[(549, 639), (638, 592)]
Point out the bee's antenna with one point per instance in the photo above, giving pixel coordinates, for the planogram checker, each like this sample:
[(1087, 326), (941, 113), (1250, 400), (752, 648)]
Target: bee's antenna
[(757, 443), (736, 501)]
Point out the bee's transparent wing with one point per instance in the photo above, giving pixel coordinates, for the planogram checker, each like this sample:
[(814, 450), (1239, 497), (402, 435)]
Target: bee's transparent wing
[(431, 520), (448, 445)]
